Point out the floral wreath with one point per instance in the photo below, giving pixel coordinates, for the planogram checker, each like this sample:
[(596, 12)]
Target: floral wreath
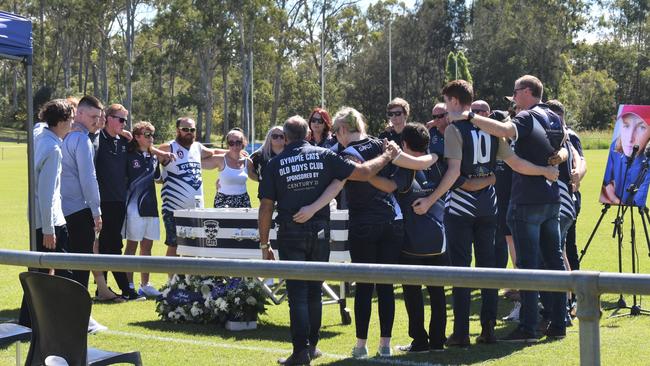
[(210, 299)]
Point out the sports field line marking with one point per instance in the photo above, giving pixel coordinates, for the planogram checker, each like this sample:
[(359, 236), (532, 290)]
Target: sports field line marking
[(387, 361)]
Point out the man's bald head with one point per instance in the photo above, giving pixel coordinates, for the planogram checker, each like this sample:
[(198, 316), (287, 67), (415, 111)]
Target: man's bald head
[(439, 108), (481, 107), (295, 128)]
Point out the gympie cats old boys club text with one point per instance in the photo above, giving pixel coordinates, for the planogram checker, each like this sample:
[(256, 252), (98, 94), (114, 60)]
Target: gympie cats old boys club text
[(301, 171)]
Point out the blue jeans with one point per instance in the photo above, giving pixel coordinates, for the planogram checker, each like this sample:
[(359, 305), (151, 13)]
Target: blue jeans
[(536, 232), (546, 297), (461, 232), (304, 242)]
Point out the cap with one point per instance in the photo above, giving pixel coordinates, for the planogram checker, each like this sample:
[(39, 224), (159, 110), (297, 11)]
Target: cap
[(641, 111), (499, 115)]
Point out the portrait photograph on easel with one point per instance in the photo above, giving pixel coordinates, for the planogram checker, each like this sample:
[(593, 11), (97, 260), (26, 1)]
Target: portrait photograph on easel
[(626, 181), (625, 185)]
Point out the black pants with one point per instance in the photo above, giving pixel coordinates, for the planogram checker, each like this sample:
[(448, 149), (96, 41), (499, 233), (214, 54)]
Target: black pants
[(81, 231), (304, 242), (375, 243), (61, 233), (414, 302), (461, 233), (110, 237)]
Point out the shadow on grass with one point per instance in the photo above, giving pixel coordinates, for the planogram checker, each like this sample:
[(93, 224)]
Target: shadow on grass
[(265, 331), (455, 356)]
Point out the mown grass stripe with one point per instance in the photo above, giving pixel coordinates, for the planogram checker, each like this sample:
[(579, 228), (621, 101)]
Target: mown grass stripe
[(387, 361)]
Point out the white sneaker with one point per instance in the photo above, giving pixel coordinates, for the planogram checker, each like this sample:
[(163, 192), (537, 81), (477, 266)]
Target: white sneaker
[(514, 314), (94, 326), (55, 361), (148, 290)]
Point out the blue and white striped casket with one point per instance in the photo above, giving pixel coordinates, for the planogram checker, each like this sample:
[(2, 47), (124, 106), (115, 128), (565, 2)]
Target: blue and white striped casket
[(232, 233)]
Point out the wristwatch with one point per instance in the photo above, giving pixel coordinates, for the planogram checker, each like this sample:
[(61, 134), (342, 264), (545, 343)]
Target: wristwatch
[(265, 245), (470, 116)]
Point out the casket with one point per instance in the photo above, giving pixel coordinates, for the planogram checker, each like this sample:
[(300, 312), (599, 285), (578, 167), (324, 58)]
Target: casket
[(232, 233)]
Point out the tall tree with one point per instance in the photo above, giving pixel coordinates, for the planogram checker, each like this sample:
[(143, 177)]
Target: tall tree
[(203, 27)]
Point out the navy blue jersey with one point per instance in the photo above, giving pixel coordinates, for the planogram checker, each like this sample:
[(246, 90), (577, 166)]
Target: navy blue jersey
[(259, 163), (503, 174), (477, 152), (367, 204), (423, 234), (299, 175), (575, 141), (437, 142), (567, 207), (142, 169), (532, 143), (110, 163), (392, 136), (326, 142)]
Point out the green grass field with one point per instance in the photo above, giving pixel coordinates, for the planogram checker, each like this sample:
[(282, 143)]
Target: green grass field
[(135, 326)]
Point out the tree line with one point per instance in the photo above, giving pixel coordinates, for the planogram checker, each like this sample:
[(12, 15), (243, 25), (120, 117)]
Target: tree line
[(229, 62)]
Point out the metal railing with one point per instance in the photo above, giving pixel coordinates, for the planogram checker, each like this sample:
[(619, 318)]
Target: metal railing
[(587, 285)]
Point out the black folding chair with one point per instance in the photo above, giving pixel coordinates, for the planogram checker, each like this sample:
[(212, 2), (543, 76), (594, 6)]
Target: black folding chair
[(60, 309), (12, 333)]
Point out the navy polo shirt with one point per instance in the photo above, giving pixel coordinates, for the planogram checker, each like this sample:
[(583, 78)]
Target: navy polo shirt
[(110, 165), (533, 144), (299, 175)]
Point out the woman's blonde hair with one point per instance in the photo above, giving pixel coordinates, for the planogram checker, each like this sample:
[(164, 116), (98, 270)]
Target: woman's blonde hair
[(351, 118), (265, 149)]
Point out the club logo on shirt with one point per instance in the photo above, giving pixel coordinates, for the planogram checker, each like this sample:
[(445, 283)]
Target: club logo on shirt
[(211, 228), (136, 164), (180, 154)]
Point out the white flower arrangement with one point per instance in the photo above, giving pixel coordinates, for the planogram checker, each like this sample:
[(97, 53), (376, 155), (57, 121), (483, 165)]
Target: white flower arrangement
[(203, 299)]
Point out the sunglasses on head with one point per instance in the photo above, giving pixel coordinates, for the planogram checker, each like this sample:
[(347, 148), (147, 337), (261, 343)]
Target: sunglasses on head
[(188, 129), (277, 136), (438, 116), (316, 120), (235, 142), (391, 114), (121, 119)]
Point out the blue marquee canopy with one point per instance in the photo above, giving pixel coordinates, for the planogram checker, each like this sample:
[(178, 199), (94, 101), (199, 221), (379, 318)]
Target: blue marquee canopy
[(15, 36), (16, 44)]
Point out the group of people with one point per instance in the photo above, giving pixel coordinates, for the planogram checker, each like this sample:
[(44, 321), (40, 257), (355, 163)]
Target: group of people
[(95, 187), (471, 180)]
